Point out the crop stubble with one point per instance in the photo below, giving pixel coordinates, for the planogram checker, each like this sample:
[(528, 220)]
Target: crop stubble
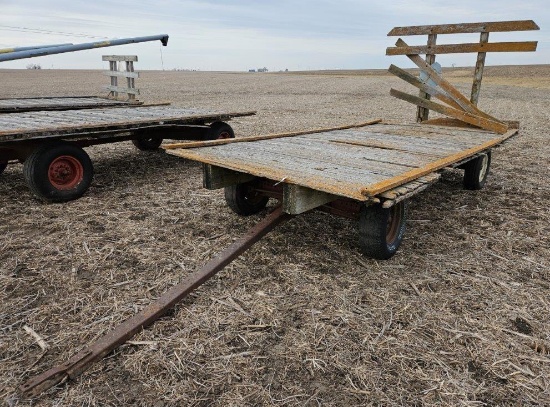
[(458, 316)]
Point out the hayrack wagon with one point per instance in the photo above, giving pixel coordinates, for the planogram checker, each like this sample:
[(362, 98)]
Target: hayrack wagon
[(365, 171), (47, 134)]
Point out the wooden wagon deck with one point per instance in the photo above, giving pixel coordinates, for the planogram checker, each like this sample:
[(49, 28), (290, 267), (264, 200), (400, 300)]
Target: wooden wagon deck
[(76, 123), (14, 105), (357, 163)]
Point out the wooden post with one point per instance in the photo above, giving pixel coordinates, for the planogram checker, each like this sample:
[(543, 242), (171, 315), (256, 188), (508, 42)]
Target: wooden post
[(113, 67), (128, 74), (130, 81), (478, 74), (422, 113)]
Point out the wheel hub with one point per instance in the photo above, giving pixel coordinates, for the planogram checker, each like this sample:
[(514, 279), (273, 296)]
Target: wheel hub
[(484, 166), (224, 135), (65, 172), (394, 220)]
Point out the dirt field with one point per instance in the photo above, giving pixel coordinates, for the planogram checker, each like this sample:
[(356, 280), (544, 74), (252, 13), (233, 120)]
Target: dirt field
[(460, 316)]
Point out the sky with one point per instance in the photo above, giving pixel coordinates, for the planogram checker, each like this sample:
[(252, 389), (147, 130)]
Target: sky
[(238, 35)]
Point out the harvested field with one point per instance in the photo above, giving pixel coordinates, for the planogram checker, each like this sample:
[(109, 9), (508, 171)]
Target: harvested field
[(460, 316)]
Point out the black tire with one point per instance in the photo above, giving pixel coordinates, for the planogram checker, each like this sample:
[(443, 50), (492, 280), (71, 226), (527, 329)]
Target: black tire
[(381, 229), (219, 130), (476, 171), (147, 144), (244, 200), (3, 165), (58, 172)]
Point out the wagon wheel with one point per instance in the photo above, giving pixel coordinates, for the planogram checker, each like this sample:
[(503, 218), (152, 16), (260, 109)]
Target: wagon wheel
[(476, 171), (218, 131), (58, 172), (148, 143), (381, 229), (244, 199), (3, 165)]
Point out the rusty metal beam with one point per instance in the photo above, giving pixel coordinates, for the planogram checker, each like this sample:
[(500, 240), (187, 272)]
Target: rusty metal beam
[(126, 330)]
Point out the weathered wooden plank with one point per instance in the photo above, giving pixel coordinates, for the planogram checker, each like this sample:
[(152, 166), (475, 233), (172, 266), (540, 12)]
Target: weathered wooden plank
[(525, 46), (298, 199), (269, 136), (119, 89), (415, 189), (498, 26), (350, 171), (43, 124), (121, 74), (478, 73), (383, 186), (117, 58), (430, 90), (422, 113), (449, 111), (445, 85), (215, 177)]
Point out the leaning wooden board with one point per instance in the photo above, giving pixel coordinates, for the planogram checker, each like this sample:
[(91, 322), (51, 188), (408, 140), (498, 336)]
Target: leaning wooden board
[(355, 163)]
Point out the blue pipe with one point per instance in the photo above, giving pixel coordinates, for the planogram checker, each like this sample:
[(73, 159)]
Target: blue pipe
[(11, 56), (17, 49)]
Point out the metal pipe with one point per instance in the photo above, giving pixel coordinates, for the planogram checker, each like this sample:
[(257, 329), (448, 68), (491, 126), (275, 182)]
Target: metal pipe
[(17, 49), (126, 330), (79, 47)]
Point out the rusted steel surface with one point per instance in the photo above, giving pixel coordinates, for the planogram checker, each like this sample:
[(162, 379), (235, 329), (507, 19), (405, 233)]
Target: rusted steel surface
[(123, 332), (31, 125), (498, 26), (57, 103), (355, 163)]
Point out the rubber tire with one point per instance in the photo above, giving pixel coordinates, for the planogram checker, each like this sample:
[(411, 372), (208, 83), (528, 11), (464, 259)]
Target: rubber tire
[(476, 172), (3, 165), (373, 230), (148, 144), (36, 166), (219, 130), (239, 199)]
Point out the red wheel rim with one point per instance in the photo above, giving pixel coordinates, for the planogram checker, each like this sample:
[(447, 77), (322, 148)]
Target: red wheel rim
[(65, 172), (223, 135), (394, 221)]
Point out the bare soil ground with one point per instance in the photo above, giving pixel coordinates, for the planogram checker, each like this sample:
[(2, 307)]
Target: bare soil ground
[(460, 316)]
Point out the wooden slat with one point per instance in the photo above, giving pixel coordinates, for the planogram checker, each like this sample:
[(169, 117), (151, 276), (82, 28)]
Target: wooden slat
[(116, 58), (449, 111), (120, 89), (525, 46), (430, 90), (266, 137), (500, 26), (478, 73), (423, 113), (413, 174), (445, 85), (122, 74)]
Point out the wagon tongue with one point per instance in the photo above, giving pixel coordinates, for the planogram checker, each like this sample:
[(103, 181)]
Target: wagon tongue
[(123, 332)]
